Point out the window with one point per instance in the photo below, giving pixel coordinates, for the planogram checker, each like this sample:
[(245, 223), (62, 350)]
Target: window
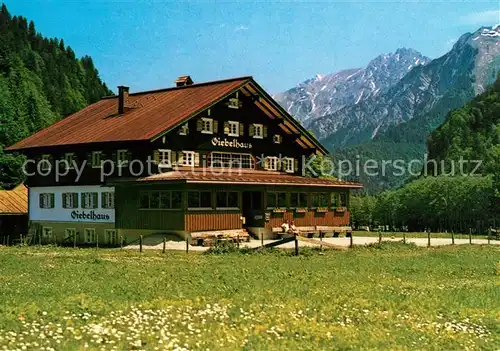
[(231, 160), (89, 200), (187, 158), (233, 128), (319, 200), (46, 200), (207, 125), (69, 233), (276, 200), (47, 232), (227, 199), (298, 200), (46, 163), (108, 199), (122, 158), (277, 139), (257, 131), (184, 129), (89, 235), (271, 163), (110, 236), (70, 200), (199, 199), (96, 159), (288, 164), (234, 103), (163, 158), (69, 157), (160, 200), (343, 199), (335, 200)]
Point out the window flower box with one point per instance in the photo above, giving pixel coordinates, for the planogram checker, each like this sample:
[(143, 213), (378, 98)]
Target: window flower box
[(301, 210), (279, 210), (340, 209), (322, 209)]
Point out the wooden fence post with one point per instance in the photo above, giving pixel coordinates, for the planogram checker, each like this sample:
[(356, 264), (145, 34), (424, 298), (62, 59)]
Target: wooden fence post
[(8, 239), (404, 237), (187, 244), (470, 236), (296, 245), (379, 236), (238, 241), (321, 239), (453, 237), (97, 241), (489, 234), (22, 243), (140, 243), (261, 238), (74, 241), (121, 242), (164, 244), (428, 238), (351, 241)]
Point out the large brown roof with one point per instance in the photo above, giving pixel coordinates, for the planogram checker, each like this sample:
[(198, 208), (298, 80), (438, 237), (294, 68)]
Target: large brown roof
[(14, 201), (237, 176), (152, 113)]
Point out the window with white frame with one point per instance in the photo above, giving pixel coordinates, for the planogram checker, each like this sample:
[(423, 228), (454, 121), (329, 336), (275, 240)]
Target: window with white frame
[(46, 200), (70, 200), (234, 128), (110, 236), (187, 158), (47, 232), (184, 129), (122, 158), (207, 125), (277, 139), (287, 164), (271, 163), (231, 160), (258, 131), (89, 200), (96, 159), (108, 199), (70, 232), (89, 235), (164, 158), (45, 163)]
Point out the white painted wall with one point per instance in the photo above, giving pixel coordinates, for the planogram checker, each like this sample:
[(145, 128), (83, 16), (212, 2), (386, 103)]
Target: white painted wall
[(60, 214)]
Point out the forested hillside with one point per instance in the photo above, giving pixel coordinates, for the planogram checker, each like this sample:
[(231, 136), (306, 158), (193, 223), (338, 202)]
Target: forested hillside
[(449, 200), (41, 81), (471, 132)]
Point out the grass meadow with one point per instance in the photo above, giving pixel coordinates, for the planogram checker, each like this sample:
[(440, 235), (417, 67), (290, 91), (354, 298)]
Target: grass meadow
[(387, 296)]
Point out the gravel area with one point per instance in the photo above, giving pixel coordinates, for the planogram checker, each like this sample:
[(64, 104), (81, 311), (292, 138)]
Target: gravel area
[(181, 245)]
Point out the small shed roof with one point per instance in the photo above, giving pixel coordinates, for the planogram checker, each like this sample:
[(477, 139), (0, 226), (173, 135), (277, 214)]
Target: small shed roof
[(14, 201)]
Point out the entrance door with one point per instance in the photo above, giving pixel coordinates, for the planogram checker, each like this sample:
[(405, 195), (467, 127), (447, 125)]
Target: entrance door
[(252, 209)]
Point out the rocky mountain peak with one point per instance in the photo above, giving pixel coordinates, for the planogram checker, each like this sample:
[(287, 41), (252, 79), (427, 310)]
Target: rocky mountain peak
[(325, 94)]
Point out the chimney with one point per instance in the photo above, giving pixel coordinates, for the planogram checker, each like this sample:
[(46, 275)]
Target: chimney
[(182, 81), (122, 98)]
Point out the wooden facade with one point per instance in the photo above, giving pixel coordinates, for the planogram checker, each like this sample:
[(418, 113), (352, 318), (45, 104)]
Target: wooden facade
[(193, 158)]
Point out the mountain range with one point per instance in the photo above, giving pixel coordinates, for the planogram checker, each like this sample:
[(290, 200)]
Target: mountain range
[(357, 105), (390, 107)]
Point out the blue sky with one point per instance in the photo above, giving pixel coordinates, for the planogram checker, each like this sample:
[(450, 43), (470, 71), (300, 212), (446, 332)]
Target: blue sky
[(146, 45)]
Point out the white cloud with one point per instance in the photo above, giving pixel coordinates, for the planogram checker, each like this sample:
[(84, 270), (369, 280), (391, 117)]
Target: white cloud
[(240, 28), (484, 18)]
